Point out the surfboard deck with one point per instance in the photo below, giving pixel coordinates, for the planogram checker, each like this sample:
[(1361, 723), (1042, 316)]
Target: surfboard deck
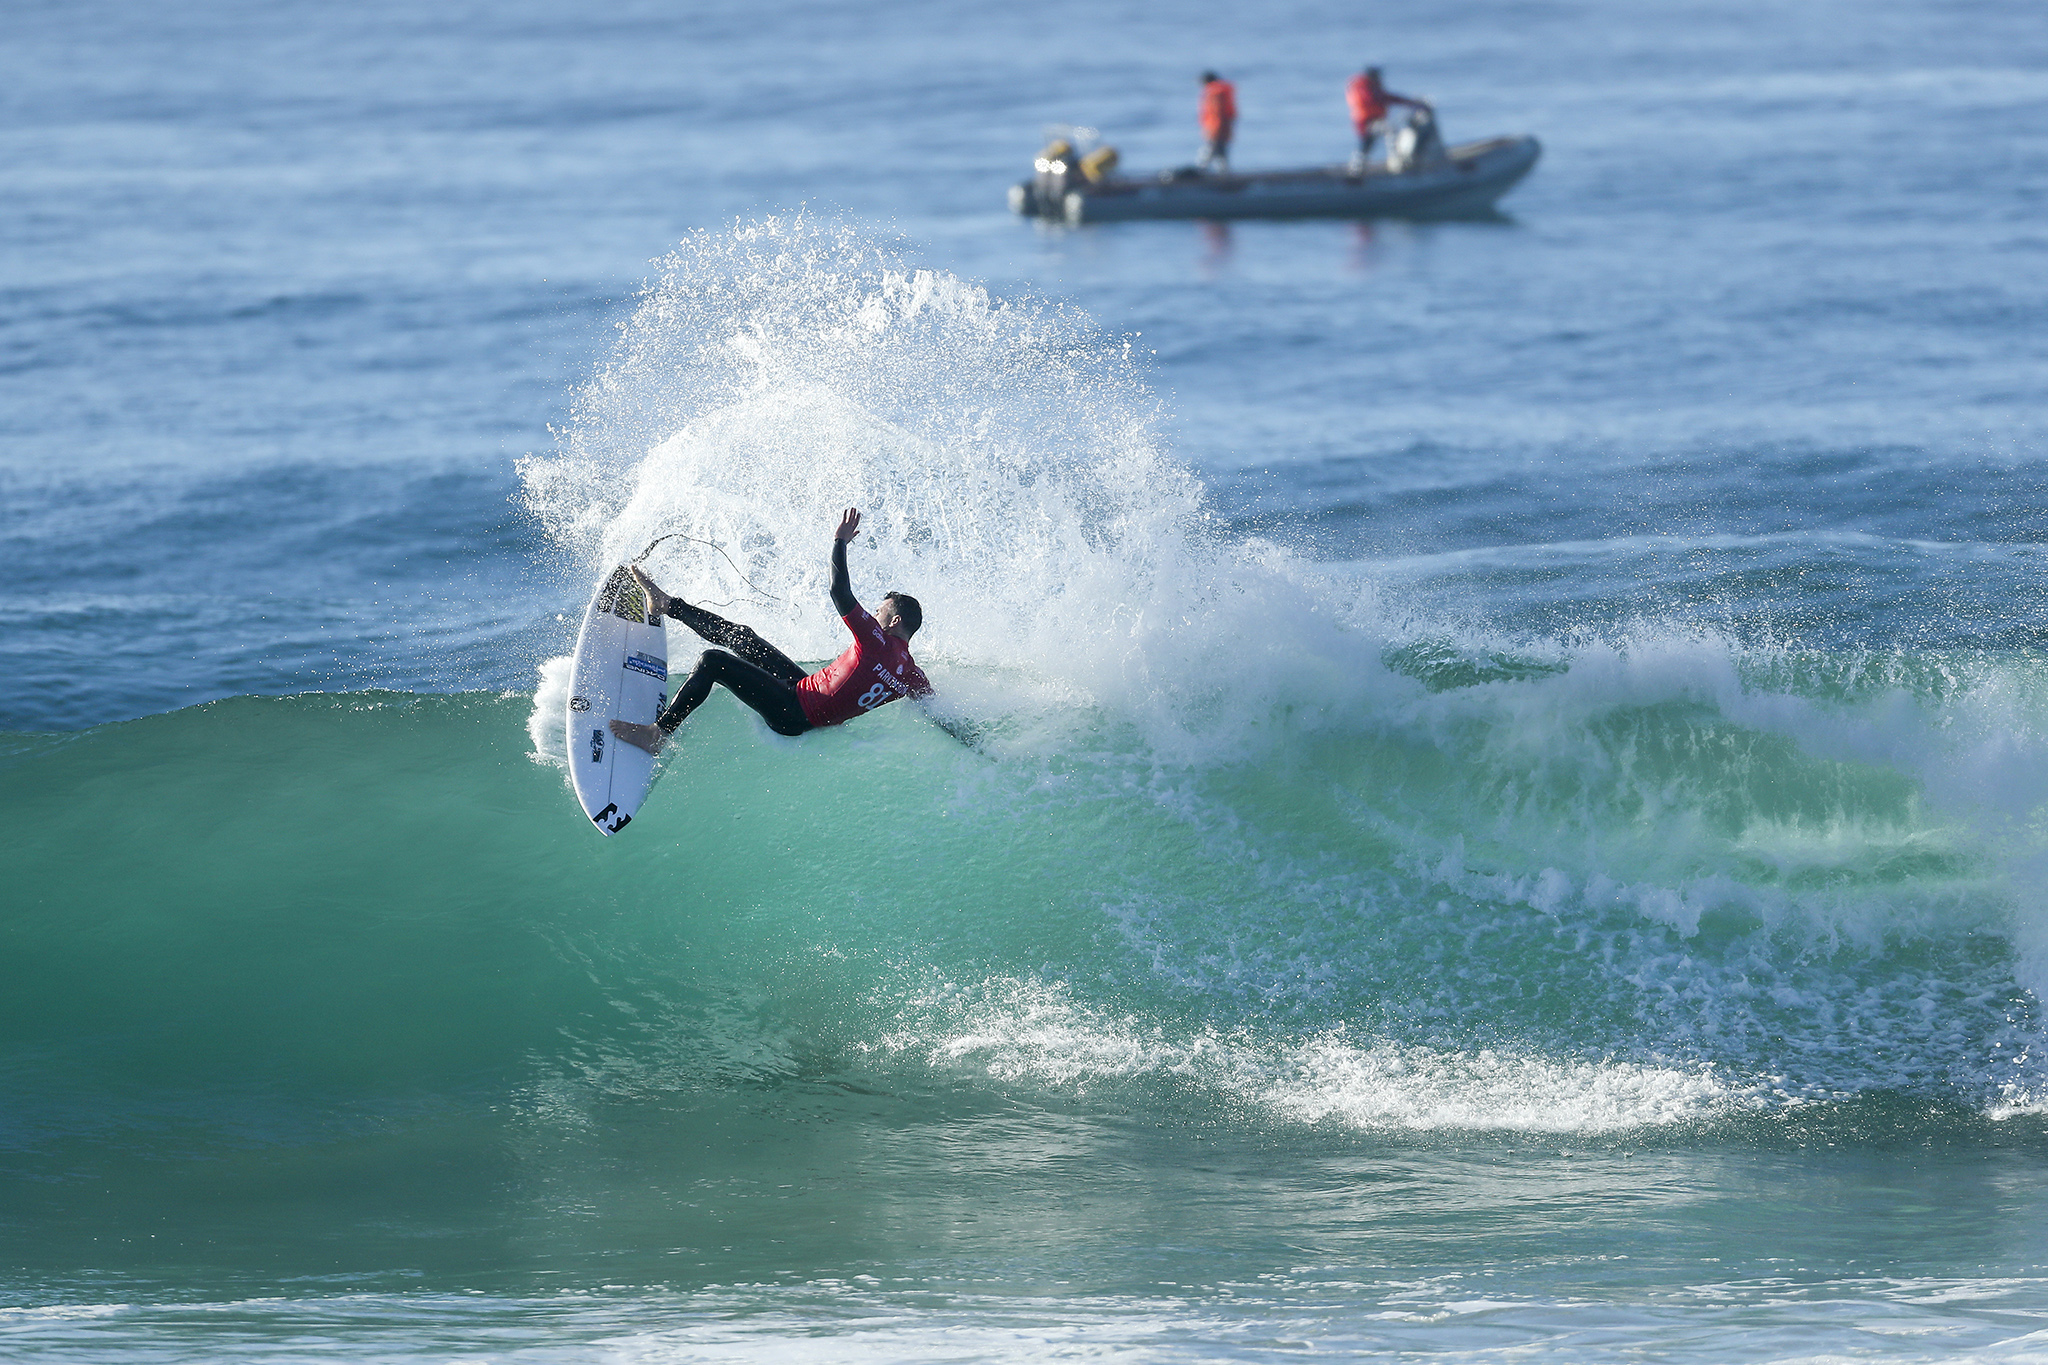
[(621, 671)]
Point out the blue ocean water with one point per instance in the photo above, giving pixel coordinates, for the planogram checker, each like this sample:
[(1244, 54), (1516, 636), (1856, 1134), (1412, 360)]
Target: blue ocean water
[(1511, 824)]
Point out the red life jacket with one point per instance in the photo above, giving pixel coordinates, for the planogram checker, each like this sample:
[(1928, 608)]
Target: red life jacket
[(1367, 104), (1219, 110)]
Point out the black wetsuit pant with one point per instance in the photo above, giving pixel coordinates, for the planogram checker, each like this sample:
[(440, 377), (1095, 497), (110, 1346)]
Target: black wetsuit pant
[(755, 671)]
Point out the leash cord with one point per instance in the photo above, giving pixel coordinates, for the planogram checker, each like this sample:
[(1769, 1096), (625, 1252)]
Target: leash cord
[(678, 535)]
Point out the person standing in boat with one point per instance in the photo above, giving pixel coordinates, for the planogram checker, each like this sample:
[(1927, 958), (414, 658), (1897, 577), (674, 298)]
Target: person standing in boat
[(1370, 100), (1219, 120)]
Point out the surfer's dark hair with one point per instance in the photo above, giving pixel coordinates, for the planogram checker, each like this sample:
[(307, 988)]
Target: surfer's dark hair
[(907, 608)]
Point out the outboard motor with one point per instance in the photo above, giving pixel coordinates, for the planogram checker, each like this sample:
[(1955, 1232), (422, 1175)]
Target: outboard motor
[(1069, 161), (1418, 145), (1058, 170)]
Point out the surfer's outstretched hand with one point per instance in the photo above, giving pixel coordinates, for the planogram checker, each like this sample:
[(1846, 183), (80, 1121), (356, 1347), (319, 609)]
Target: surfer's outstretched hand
[(646, 737), (849, 525), (657, 600)]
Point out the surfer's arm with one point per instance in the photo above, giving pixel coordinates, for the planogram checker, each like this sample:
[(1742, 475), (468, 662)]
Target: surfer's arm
[(842, 582)]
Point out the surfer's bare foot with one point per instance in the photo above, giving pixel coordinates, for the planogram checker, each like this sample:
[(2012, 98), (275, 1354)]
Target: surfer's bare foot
[(657, 600), (646, 737)]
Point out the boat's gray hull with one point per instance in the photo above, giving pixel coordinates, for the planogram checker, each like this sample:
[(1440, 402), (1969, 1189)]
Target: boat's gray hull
[(1465, 185)]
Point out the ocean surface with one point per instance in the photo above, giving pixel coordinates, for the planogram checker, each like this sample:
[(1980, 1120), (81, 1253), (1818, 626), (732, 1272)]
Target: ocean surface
[(1512, 818)]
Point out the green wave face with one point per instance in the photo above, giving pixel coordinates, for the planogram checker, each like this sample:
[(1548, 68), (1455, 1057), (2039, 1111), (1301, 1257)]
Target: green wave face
[(374, 899), (355, 963)]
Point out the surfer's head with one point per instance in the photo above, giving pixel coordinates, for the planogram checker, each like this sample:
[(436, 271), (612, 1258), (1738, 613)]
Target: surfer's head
[(900, 609)]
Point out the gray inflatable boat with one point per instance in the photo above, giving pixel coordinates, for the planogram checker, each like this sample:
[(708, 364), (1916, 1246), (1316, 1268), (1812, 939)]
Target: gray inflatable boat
[(1421, 179)]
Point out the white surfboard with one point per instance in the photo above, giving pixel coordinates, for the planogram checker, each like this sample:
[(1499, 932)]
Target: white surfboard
[(621, 671)]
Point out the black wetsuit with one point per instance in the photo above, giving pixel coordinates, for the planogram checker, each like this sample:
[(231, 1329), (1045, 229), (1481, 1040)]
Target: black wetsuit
[(753, 670)]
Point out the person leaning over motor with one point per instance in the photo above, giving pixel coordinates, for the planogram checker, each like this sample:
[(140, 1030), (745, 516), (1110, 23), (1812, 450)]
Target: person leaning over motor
[(1370, 100)]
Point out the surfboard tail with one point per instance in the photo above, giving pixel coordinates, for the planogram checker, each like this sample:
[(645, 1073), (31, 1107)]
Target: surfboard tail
[(622, 597)]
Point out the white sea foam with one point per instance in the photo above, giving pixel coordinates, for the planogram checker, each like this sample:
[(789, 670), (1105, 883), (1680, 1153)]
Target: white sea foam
[(1079, 597), (547, 725), (1013, 1030), (1200, 1304), (1005, 456)]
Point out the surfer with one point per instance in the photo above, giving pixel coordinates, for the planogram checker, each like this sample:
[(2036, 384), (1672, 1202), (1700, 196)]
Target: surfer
[(874, 671)]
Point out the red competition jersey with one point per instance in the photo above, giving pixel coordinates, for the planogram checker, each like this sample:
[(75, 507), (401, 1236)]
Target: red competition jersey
[(874, 671)]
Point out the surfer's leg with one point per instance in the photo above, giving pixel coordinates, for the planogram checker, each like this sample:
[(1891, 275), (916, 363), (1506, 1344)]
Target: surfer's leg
[(741, 640), (775, 698)]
